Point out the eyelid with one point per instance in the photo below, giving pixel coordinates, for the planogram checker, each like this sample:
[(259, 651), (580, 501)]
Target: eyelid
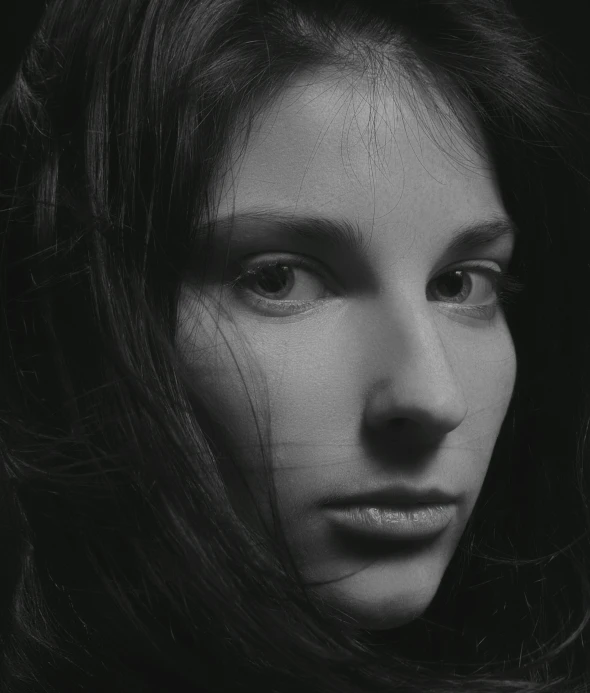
[(493, 266), (300, 260)]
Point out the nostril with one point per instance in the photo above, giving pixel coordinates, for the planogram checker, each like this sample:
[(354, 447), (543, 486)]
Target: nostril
[(399, 423), (412, 431)]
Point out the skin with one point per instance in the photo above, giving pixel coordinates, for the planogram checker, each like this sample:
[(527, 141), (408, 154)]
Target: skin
[(377, 381)]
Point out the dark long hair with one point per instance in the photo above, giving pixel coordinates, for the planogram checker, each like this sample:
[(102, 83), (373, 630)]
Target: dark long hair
[(123, 565)]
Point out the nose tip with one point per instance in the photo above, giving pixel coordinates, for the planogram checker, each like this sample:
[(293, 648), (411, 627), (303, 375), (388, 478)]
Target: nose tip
[(415, 378), (435, 404)]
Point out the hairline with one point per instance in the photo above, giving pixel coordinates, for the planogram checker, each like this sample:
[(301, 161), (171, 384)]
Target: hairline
[(422, 90)]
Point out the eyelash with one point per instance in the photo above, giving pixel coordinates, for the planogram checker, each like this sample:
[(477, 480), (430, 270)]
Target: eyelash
[(507, 287), (289, 306)]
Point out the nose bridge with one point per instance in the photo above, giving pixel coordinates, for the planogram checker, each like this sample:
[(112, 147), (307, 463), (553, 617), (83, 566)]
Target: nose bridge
[(414, 378)]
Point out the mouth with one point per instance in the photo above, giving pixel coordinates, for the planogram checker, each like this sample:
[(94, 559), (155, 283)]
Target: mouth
[(401, 523), (397, 514)]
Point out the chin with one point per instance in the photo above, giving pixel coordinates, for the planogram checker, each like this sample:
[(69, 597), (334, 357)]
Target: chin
[(376, 612), (381, 597), (392, 615)]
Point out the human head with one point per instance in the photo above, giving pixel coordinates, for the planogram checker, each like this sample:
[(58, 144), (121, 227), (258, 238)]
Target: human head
[(376, 381), (117, 197)]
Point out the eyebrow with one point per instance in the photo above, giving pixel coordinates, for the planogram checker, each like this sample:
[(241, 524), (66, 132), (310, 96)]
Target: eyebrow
[(342, 234), (471, 236)]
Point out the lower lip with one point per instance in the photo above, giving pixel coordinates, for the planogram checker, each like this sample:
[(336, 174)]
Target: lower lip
[(402, 523)]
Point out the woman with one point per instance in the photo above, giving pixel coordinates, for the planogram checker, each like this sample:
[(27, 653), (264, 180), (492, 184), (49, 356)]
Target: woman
[(263, 427)]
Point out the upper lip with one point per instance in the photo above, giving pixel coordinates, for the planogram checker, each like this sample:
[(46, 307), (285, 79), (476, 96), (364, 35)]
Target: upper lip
[(395, 497)]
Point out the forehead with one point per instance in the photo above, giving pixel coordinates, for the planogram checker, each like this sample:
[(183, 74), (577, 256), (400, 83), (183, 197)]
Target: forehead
[(382, 156)]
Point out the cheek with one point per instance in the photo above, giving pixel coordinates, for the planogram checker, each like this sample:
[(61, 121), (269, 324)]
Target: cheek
[(487, 368), (221, 367), (488, 373), (301, 394)]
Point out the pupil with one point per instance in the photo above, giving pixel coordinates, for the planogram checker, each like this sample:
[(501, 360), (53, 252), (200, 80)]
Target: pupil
[(451, 284), (273, 279)]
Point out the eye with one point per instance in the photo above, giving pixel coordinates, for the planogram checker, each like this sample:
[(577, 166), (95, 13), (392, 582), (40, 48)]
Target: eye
[(474, 286), (285, 285), (477, 291)]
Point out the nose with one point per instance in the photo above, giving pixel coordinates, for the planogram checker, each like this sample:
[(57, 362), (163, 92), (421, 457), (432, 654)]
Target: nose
[(412, 377)]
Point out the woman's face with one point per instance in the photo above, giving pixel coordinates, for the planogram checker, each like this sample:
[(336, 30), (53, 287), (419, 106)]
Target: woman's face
[(359, 309)]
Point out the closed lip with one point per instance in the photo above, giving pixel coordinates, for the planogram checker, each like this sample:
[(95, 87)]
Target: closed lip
[(395, 497)]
